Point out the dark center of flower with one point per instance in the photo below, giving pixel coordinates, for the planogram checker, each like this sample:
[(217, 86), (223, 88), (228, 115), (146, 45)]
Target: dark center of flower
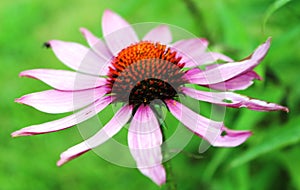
[(144, 72)]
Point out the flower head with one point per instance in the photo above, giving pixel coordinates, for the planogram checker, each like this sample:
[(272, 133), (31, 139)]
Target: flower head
[(134, 72)]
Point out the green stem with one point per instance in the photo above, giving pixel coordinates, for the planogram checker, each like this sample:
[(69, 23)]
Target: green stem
[(171, 181), (170, 184)]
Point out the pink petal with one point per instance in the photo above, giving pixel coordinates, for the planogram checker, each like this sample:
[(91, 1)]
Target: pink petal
[(218, 56), (161, 34), (79, 57), (54, 101), (97, 44), (207, 58), (240, 82), (108, 131), (71, 80), (117, 32), (190, 49), (206, 128), (232, 138), (230, 70), (144, 141), (231, 99), (65, 122)]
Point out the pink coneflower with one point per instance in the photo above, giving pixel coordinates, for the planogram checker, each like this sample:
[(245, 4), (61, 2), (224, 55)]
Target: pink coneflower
[(134, 73)]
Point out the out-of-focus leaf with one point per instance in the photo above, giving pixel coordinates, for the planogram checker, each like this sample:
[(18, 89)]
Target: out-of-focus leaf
[(266, 174), (234, 33), (277, 138), (290, 159), (215, 163), (272, 8)]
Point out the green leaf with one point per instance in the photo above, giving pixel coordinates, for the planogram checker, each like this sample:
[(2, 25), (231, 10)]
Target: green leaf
[(234, 32), (290, 159), (275, 139), (272, 8)]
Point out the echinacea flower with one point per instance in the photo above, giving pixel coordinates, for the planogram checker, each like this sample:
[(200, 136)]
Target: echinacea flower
[(134, 72)]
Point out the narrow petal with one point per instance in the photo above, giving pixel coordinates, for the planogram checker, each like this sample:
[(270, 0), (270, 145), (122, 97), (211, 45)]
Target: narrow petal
[(206, 128), (240, 82), (144, 141), (117, 40), (231, 99), (65, 122), (218, 56), (232, 138), (96, 44), (207, 58), (71, 80), (230, 70), (108, 131), (55, 101), (161, 34), (79, 57), (189, 49)]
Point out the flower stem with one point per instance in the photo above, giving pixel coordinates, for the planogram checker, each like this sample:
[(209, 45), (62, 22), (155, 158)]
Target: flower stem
[(170, 184)]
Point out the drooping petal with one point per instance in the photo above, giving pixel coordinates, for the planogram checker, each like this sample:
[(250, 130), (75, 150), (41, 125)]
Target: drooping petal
[(232, 137), (190, 48), (206, 128), (55, 101), (231, 99), (207, 58), (71, 80), (117, 40), (230, 70), (144, 141), (108, 131), (96, 44), (79, 57), (240, 82), (65, 122), (161, 34)]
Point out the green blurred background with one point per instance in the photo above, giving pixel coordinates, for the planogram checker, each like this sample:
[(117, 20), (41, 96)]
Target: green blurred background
[(270, 159)]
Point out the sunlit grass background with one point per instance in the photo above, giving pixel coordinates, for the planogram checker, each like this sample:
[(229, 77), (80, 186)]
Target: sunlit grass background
[(268, 160)]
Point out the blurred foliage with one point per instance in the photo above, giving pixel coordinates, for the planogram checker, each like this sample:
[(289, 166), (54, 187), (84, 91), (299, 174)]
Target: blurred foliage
[(268, 160)]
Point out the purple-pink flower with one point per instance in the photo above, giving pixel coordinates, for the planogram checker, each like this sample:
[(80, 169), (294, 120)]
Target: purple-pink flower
[(135, 72)]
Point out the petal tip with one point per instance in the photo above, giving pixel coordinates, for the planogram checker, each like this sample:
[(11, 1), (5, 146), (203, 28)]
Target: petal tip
[(63, 159), (83, 30), (61, 162), (161, 182), (23, 74), (268, 42), (15, 134), (47, 44), (20, 133), (108, 11), (163, 26), (162, 179), (50, 43), (204, 41), (285, 109), (233, 138), (20, 100)]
